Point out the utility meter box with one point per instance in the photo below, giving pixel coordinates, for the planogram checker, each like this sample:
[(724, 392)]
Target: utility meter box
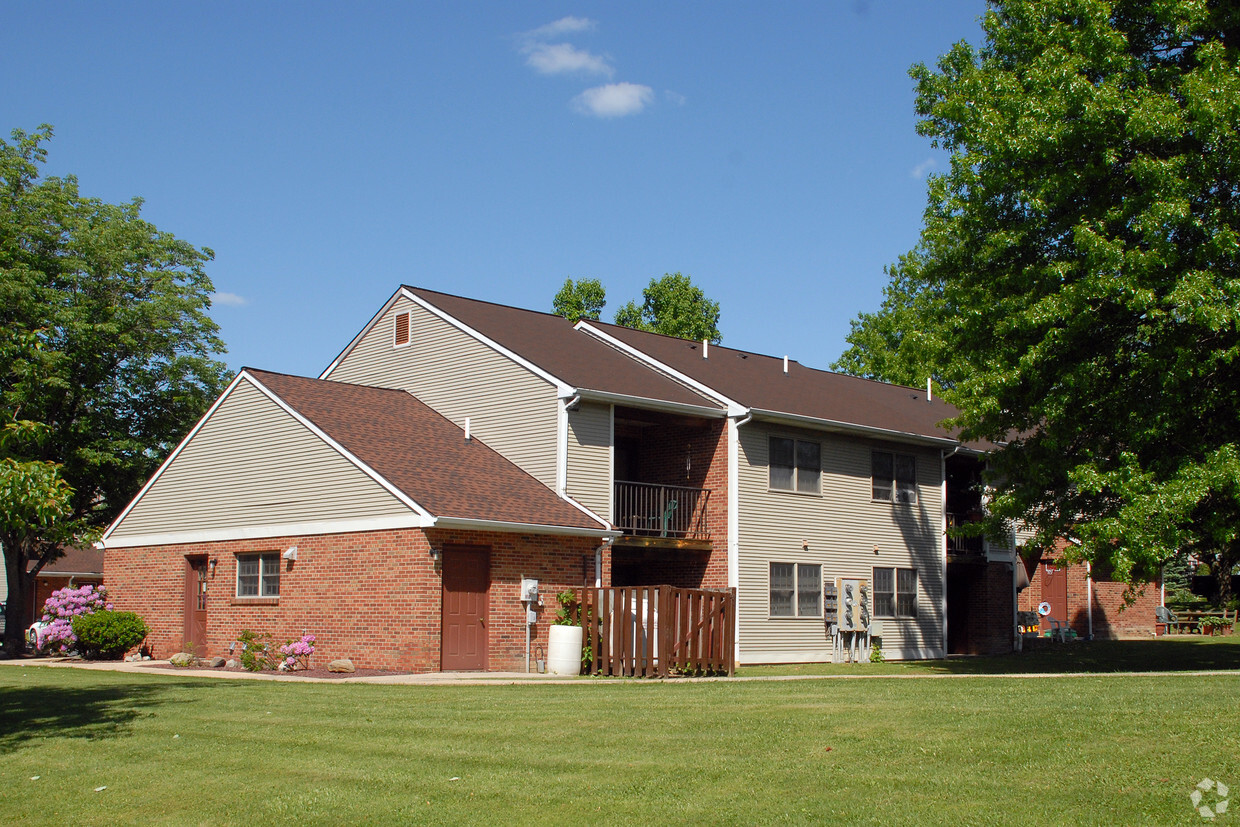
[(529, 591), (853, 612)]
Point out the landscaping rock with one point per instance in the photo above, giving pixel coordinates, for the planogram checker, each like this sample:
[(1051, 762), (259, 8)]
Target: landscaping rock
[(217, 662), (341, 665), (134, 658), (182, 659), (232, 663)]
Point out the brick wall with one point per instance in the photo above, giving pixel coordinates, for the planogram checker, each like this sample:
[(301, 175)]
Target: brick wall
[(1114, 618), (986, 614), (374, 597)]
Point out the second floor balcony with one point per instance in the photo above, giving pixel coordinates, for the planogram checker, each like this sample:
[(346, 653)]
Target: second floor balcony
[(671, 512)]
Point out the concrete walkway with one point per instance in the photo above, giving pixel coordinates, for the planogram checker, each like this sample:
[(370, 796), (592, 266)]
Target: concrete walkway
[(162, 667)]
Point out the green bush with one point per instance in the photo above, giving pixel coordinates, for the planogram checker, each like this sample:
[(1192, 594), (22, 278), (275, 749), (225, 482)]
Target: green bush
[(258, 651), (107, 635)]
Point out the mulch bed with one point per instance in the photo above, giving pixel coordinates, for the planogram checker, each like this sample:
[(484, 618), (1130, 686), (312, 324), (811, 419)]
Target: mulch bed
[(302, 673)]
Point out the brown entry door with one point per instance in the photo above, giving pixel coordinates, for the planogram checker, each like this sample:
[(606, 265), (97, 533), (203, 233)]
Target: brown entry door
[(1054, 592), (466, 578), (196, 605)]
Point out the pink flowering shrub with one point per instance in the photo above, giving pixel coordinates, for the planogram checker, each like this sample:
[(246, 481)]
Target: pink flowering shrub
[(297, 653), (59, 611)]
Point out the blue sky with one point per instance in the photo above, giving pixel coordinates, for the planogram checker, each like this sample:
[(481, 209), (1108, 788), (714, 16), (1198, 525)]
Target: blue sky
[(329, 152)]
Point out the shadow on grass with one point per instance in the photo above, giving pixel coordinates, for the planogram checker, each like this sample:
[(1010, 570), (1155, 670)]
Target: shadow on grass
[(73, 712), (1175, 654)]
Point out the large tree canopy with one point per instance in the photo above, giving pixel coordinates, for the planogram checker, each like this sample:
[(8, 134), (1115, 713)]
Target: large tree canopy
[(1079, 270), (105, 343), (582, 299), (675, 306)]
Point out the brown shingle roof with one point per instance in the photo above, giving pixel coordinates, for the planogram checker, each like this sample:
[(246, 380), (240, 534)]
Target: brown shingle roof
[(77, 561), (551, 343), (422, 453), (758, 381)]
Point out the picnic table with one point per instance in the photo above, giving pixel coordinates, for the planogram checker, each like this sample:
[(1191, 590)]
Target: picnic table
[(1188, 623)]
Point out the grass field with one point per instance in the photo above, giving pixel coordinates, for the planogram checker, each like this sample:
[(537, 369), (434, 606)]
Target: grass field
[(970, 749)]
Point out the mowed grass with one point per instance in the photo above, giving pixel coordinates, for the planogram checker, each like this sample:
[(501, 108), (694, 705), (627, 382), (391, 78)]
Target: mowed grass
[(976, 749)]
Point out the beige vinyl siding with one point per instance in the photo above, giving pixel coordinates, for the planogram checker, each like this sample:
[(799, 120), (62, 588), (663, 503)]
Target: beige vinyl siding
[(510, 408), (589, 457), (253, 464), (840, 529)]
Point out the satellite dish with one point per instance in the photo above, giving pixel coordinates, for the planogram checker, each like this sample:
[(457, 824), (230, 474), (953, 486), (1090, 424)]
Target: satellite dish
[(1044, 608)]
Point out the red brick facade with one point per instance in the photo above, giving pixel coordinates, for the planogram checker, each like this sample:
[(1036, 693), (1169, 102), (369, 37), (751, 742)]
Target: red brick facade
[(980, 617), (1113, 618), (373, 597)]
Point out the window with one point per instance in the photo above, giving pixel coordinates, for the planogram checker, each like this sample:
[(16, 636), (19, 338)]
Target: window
[(895, 592), (894, 477), (400, 330), (796, 590), (258, 575), (795, 465)]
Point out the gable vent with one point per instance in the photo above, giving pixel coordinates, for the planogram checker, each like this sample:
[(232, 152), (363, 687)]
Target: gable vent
[(401, 330)]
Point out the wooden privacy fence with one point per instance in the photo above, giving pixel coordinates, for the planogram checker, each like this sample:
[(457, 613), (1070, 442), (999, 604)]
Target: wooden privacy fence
[(658, 631)]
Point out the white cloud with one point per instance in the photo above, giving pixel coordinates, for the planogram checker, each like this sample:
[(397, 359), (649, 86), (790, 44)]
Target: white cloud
[(614, 100), (229, 300), (559, 58), (674, 98), (565, 25), (928, 165)]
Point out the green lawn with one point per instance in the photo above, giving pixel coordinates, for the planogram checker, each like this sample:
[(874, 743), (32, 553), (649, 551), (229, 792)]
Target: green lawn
[(1100, 749)]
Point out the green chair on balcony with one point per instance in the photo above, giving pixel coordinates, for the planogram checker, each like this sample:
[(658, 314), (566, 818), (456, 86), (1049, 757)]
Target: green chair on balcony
[(667, 515)]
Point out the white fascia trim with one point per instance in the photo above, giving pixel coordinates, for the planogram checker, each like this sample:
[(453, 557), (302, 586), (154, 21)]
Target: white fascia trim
[(257, 532), (648, 404), (366, 329), (340, 449), (523, 528), (561, 388), (734, 408), (867, 430), (180, 447)]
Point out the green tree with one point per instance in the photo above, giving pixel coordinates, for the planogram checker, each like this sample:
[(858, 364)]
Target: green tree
[(901, 343), (1086, 243), (105, 345), (582, 299), (674, 306)]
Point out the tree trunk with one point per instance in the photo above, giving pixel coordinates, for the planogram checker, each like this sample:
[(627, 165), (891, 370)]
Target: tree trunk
[(19, 596), (1221, 568)]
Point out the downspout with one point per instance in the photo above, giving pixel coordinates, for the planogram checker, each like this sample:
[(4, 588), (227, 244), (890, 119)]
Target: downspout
[(1089, 597), (943, 457), (734, 514)]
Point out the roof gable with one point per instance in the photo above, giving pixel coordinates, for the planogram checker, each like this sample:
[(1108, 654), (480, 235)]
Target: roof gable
[(423, 454)]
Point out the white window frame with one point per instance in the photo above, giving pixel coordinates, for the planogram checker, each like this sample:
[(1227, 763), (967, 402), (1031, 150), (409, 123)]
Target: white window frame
[(896, 592), (895, 495), (265, 577), (408, 328), (797, 613), (796, 469)]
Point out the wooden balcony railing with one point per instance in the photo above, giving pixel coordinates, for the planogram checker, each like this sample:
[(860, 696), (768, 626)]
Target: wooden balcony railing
[(673, 511), (658, 631)]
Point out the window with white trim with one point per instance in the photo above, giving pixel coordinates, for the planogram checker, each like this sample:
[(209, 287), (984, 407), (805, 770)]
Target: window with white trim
[(795, 465), (796, 590), (401, 326), (258, 575), (895, 592), (894, 477)]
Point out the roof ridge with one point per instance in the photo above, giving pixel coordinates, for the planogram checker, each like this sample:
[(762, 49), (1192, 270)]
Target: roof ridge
[(484, 301)]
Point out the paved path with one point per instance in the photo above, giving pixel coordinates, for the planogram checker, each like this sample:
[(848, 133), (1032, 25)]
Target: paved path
[(511, 678)]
